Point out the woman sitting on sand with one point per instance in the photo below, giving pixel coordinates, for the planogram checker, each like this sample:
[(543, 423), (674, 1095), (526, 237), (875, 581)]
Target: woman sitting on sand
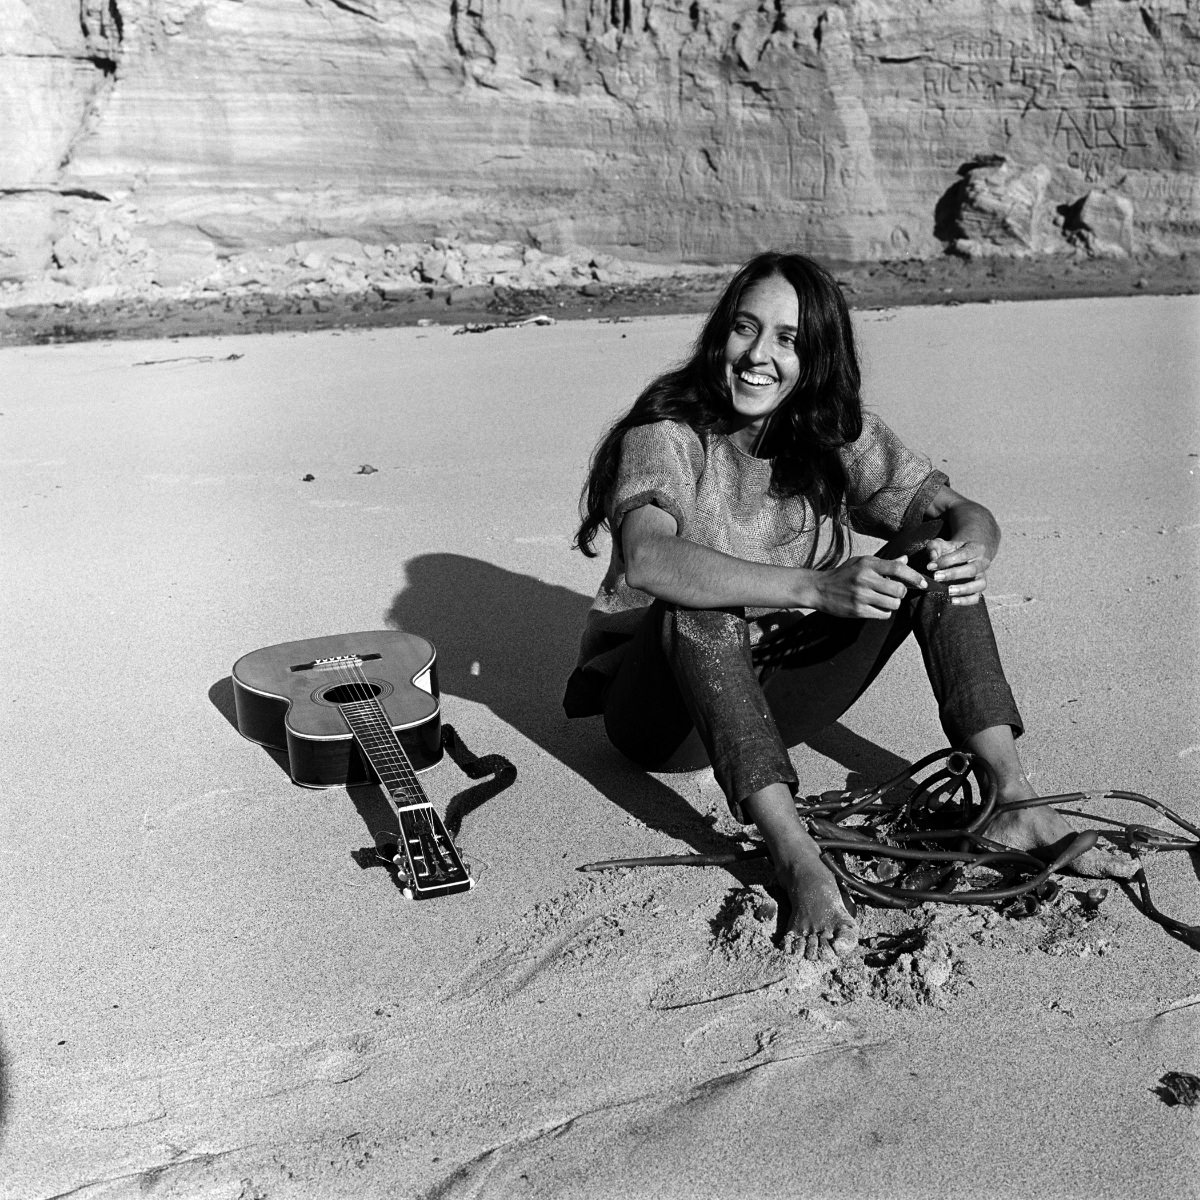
[(727, 489)]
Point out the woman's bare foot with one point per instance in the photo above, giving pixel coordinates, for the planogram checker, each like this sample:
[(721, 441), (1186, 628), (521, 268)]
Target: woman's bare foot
[(1045, 833), (818, 925), (1040, 831)]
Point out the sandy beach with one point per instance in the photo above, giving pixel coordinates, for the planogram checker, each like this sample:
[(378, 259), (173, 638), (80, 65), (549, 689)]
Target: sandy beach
[(205, 994)]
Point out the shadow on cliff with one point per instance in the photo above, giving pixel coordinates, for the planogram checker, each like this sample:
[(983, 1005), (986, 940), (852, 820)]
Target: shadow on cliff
[(522, 637)]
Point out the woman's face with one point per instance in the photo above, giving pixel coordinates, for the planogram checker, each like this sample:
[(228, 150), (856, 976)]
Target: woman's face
[(761, 364)]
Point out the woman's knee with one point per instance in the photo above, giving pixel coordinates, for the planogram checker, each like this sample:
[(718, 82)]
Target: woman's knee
[(710, 632), (910, 542)]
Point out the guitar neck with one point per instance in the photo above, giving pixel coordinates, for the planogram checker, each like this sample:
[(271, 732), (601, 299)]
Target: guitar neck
[(431, 864), (382, 749)]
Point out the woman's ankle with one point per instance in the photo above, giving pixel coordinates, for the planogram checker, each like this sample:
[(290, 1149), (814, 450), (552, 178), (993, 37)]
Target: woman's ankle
[(997, 748)]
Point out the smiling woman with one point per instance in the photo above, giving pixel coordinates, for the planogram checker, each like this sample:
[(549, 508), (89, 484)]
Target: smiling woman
[(729, 488)]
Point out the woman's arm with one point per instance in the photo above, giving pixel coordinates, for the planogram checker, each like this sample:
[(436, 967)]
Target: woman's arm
[(671, 568), (962, 558)]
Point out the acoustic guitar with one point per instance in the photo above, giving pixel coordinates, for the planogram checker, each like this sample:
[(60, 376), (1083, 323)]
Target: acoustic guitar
[(358, 708)]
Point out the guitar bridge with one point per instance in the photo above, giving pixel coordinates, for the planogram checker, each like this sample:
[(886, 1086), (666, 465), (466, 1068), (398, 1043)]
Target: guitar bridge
[(341, 663)]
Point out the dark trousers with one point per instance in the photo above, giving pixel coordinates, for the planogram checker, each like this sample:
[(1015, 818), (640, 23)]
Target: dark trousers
[(695, 669)]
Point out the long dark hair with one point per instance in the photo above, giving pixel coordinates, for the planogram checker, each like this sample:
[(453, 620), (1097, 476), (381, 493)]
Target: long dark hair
[(822, 414)]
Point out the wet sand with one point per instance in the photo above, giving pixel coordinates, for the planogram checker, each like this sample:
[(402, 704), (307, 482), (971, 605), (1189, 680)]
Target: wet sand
[(205, 994)]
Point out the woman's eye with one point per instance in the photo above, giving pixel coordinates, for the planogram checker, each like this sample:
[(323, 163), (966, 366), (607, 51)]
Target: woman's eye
[(743, 327)]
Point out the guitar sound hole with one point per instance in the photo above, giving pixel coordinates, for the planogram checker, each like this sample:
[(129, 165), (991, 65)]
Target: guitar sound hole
[(345, 693)]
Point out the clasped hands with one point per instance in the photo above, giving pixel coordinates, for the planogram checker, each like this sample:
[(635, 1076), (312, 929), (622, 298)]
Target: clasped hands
[(874, 587)]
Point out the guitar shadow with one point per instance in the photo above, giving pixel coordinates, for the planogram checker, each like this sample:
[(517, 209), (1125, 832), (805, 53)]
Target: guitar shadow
[(508, 641), (220, 696)]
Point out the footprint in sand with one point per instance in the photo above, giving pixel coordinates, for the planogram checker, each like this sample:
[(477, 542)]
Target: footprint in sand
[(327, 1060)]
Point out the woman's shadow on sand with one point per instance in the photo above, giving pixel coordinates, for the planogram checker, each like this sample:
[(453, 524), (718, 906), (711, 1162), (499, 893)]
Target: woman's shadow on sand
[(509, 641)]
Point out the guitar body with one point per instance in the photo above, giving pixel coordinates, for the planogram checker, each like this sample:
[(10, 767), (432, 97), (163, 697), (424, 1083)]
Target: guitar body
[(287, 700)]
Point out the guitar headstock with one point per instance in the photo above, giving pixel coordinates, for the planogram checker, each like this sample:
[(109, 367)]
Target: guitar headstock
[(427, 856)]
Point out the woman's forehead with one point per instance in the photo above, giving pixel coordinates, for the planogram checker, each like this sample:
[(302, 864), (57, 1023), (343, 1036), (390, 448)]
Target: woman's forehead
[(774, 297)]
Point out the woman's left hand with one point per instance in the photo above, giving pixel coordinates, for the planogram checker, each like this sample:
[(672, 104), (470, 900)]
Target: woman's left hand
[(961, 560), (962, 565)]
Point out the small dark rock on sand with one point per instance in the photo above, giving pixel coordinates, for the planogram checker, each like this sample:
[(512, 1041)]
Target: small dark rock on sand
[(1178, 1087)]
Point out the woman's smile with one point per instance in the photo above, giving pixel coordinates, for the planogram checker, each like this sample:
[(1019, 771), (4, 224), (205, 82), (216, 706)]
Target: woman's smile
[(755, 379)]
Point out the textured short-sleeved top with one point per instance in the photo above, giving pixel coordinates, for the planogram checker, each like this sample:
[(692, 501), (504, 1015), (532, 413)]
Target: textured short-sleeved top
[(720, 497)]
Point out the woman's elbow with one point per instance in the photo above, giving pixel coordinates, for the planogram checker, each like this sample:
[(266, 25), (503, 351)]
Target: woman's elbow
[(648, 544), (637, 572), (643, 565)]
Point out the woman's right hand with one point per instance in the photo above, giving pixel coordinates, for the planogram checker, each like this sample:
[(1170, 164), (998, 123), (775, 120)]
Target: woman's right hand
[(866, 587)]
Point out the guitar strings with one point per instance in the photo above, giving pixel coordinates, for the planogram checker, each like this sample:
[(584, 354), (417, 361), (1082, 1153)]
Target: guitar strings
[(386, 744)]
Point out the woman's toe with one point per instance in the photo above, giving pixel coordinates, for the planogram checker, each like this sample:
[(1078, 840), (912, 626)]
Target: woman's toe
[(1103, 863), (845, 940)]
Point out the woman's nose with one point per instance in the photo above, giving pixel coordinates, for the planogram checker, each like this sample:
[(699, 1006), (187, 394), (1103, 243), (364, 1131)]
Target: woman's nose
[(758, 350)]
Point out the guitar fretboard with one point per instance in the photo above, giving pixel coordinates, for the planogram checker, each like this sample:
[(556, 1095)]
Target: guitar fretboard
[(373, 732)]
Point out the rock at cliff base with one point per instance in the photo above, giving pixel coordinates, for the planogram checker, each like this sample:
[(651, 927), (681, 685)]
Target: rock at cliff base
[(179, 255), (997, 208), (433, 265), (1102, 222), (27, 229), (317, 254)]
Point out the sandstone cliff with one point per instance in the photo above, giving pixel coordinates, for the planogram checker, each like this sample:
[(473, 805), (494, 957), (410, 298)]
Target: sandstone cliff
[(180, 132)]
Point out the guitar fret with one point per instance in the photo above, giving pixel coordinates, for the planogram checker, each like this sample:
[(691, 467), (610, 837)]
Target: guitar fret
[(379, 742)]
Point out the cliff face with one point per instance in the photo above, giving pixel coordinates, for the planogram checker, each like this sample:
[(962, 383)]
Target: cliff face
[(658, 129)]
